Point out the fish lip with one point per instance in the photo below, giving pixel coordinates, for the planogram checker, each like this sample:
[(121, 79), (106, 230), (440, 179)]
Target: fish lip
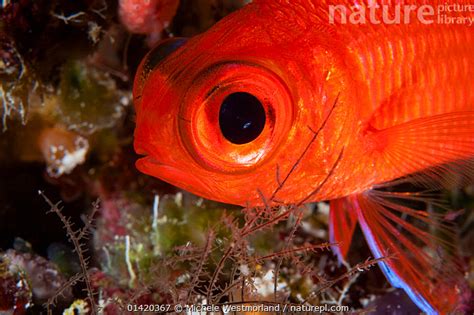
[(152, 166), (142, 149)]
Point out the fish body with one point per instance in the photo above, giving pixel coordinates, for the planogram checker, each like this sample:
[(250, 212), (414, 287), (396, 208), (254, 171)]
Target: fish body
[(348, 108)]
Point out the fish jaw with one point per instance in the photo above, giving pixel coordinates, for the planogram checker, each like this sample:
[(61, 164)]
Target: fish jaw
[(185, 180)]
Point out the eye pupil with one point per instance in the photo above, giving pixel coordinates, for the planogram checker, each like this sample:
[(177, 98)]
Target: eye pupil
[(241, 118)]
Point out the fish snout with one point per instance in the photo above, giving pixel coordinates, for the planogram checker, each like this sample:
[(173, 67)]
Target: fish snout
[(151, 61), (162, 50)]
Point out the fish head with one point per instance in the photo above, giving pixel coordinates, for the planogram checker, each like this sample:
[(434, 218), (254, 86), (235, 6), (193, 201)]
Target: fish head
[(226, 114)]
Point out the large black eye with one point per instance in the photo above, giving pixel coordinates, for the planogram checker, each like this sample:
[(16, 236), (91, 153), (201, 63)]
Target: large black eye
[(241, 118)]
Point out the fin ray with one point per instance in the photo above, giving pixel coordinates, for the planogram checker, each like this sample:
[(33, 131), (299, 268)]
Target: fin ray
[(425, 265), (435, 148), (342, 223)]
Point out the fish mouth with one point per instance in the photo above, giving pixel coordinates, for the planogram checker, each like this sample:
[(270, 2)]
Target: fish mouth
[(174, 176), (141, 150)]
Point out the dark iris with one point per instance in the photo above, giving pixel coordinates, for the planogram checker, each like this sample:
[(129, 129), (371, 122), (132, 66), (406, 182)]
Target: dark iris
[(241, 118)]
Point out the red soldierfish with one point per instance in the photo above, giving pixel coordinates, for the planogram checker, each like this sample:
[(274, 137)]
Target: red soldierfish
[(296, 101)]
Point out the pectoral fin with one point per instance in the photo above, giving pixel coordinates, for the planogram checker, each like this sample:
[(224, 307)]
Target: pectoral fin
[(438, 148)]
